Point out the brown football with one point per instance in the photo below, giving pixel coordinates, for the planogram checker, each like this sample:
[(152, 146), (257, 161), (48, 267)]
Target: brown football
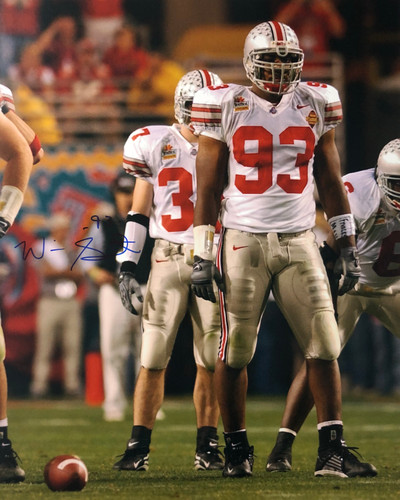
[(65, 473)]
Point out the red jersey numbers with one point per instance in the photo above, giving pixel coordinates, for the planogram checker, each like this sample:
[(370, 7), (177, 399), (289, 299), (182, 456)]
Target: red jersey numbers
[(317, 84), (179, 198), (388, 262), (145, 131), (217, 87), (253, 148)]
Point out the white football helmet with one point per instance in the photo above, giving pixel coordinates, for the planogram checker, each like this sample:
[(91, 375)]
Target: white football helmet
[(272, 58), (187, 86), (388, 173)]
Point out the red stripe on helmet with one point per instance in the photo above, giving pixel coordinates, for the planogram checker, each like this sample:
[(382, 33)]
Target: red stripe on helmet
[(277, 31), (206, 77)]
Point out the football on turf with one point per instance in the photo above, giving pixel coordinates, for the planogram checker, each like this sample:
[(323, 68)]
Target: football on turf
[(65, 473)]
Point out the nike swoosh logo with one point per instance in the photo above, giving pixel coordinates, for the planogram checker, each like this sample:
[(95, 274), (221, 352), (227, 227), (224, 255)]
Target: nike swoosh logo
[(158, 261), (132, 444), (135, 464), (207, 464), (300, 106), (238, 248)]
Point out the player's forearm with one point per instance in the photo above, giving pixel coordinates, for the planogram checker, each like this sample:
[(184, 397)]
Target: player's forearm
[(206, 210)]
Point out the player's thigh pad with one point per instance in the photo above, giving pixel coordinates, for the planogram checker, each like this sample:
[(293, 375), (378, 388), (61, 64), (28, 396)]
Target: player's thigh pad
[(302, 292), (246, 283), (164, 307), (206, 323)]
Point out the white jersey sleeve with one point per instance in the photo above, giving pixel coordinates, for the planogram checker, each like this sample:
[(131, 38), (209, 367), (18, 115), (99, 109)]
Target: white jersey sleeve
[(160, 155), (364, 197), (378, 233), (6, 97), (271, 146)]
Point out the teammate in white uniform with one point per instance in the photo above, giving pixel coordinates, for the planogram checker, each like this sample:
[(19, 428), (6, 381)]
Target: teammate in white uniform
[(15, 136), (256, 149), (374, 197), (163, 160)]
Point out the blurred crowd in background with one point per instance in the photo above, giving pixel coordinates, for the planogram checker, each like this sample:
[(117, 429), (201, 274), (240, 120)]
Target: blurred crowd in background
[(89, 72)]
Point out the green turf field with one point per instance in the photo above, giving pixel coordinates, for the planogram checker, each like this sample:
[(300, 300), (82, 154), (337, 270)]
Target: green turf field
[(42, 430)]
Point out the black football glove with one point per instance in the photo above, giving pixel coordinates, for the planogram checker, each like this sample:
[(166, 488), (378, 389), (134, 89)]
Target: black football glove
[(347, 270), (4, 226), (203, 274), (128, 286)]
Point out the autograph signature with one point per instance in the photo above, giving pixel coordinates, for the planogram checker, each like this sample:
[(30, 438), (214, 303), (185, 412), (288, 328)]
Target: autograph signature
[(84, 244)]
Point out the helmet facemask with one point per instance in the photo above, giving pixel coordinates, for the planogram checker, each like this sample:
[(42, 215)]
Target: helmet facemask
[(390, 187), (275, 73), (388, 174), (183, 109)]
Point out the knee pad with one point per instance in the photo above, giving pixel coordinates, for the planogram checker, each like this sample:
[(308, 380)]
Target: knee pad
[(325, 341), (241, 347), (156, 350), (206, 350)]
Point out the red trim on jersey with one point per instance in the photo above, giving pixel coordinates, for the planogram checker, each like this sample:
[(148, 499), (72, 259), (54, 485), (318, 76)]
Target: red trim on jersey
[(333, 107), (206, 109), (132, 166), (334, 119), (206, 120)]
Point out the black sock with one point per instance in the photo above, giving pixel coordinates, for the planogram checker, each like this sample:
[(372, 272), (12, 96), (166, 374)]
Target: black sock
[(330, 436), (284, 440), (237, 439), (204, 435), (142, 435), (3, 433)]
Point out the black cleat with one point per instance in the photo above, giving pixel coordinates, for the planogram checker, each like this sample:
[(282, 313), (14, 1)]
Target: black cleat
[(135, 457), (279, 460), (342, 463), (238, 461), (209, 458), (10, 471)]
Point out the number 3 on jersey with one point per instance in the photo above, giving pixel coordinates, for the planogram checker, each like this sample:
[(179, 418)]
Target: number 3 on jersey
[(263, 158), (180, 198)]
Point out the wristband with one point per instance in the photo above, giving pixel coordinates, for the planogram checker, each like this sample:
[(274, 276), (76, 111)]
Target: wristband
[(128, 267), (342, 225), (204, 241), (35, 146), (135, 236), (11, 199)]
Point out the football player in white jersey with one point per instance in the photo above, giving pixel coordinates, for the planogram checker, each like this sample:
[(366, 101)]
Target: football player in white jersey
[(15, 152), (261, 148), (162, 158), (374, 196), (15, 137)]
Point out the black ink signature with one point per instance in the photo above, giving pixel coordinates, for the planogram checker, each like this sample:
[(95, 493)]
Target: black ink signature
[(84, 244)]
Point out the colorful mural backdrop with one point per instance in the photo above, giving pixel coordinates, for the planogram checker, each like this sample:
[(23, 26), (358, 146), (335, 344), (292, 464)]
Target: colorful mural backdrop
[(74, 180)]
